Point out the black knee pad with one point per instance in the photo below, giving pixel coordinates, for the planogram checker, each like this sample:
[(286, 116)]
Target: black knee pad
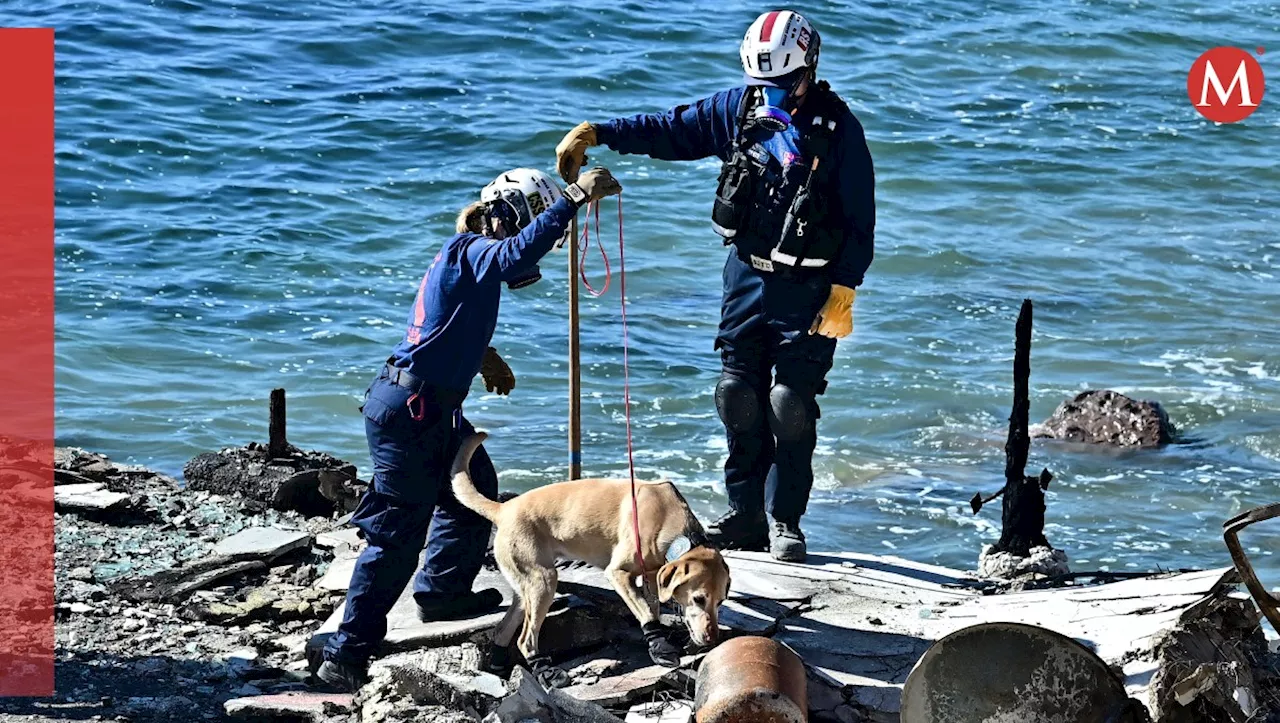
[(791, 414), (738, 404)]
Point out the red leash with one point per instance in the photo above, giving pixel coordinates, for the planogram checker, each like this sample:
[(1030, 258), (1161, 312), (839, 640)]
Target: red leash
[(583, 245)]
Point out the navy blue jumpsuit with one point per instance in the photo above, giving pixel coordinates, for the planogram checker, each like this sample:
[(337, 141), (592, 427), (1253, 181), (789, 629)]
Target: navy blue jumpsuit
[(413, 439), (765, 316)]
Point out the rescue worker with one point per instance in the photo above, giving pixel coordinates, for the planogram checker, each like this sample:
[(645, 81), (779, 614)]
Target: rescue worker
[(796, 200), (414, 423)]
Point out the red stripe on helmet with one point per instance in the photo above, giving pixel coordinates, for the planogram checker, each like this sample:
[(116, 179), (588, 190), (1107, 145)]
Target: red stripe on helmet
[(767, 29)]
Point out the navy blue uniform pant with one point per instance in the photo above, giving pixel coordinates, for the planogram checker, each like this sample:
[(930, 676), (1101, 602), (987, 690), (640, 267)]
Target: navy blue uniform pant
[(764, 342), (410, 498)]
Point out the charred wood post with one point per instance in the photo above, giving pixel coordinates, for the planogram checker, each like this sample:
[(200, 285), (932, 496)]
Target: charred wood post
[(1022, 519), (277, 444)]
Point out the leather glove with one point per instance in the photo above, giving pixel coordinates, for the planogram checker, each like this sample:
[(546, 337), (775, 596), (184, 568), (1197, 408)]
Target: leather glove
[(571, 154), (498, 377), (835, 319), (593, 186)]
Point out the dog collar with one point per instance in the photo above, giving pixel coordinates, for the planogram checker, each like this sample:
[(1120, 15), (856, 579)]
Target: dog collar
[(678, 547)]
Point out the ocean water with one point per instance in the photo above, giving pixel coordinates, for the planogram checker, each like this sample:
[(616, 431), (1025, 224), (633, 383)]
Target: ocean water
[(248, 193)]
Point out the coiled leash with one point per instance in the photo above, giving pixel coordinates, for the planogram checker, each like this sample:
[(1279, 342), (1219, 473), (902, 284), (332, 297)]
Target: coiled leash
[(584, 243)]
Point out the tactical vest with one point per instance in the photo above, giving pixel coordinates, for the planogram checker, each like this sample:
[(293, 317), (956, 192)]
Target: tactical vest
[(779, 219)]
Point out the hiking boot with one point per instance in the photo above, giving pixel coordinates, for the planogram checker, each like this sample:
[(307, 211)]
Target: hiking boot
[(346, 677), (440, 606), (787, 544), (739, 531)]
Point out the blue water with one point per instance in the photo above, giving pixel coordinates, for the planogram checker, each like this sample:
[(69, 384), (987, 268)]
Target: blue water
[(248, 193)]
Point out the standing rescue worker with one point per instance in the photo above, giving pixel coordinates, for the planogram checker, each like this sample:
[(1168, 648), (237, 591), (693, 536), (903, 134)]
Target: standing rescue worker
[(796, 199), (413, 416)]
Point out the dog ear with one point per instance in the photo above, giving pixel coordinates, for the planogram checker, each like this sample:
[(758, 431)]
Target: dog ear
[(667, 580)]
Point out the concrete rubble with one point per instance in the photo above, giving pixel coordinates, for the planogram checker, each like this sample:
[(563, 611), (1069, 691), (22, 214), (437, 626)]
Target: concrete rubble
[(191, 605)]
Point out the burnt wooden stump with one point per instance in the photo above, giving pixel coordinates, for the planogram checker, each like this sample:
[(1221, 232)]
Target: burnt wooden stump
[(1023, 507)]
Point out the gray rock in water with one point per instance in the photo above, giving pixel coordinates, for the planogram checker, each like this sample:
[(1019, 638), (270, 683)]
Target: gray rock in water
[(1110, 418)]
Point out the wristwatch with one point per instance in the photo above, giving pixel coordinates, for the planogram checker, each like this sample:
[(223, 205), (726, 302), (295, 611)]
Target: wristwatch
[(575, 193)]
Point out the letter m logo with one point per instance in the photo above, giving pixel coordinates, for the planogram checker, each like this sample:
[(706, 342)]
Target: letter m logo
[(1240, 79), (1225, 84)]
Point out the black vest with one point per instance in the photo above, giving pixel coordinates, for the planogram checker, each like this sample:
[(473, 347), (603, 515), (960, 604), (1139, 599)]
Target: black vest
[(784, 221)]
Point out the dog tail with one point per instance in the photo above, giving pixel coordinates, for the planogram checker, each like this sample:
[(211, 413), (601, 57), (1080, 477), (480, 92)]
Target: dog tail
[(463, 488)]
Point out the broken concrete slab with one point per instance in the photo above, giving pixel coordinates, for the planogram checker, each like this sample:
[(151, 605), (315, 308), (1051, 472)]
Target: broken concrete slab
[(528, 700), (338, 577), (404, 680), (406, 632), (87, 497), (866, 631), (178, 583), (344, 537), (261, 543), (621, 689), (290, 705)]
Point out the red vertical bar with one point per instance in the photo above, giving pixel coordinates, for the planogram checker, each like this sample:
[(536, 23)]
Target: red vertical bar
[(26, 362)]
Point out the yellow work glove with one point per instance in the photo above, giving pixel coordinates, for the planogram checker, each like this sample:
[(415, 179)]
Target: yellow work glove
[(571, 154), (498, 377), (835, 319)]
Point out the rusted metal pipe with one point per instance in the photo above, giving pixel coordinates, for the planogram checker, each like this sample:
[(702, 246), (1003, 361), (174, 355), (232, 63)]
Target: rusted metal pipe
[(751, 679), (1267, 602)]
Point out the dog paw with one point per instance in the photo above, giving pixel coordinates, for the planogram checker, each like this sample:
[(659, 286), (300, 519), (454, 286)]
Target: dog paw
[(553, 677), (499, 661), (662, 652), (549, 675)]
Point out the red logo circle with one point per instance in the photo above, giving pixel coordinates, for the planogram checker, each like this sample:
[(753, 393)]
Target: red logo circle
[(1225, 84)]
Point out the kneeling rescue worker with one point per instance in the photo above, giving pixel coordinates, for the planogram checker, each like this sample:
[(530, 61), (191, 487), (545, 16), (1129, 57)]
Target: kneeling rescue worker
[(796, 200), (414, 423)]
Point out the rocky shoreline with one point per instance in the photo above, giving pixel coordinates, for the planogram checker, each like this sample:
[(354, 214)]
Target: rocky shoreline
[(132, 641), (175, 603)]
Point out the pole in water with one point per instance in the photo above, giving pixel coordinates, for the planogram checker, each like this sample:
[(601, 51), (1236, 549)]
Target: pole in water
[(575, 369), (277, 444), (1022, 514)]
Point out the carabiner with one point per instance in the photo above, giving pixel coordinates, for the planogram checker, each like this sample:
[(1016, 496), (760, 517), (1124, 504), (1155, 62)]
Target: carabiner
[(421, 412)]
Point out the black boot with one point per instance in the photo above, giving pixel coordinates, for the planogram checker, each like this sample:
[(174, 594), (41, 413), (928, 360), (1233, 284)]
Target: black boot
[(549, 675), (346, 677), (661, 649), (499, 661), (739, 531), (440, 606)]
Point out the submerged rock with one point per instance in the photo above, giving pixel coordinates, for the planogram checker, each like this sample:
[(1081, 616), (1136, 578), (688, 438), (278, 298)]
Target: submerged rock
[(1110, 418)]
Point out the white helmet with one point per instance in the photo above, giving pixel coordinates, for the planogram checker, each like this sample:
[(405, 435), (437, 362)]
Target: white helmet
[(777, 44), (526, 191)]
